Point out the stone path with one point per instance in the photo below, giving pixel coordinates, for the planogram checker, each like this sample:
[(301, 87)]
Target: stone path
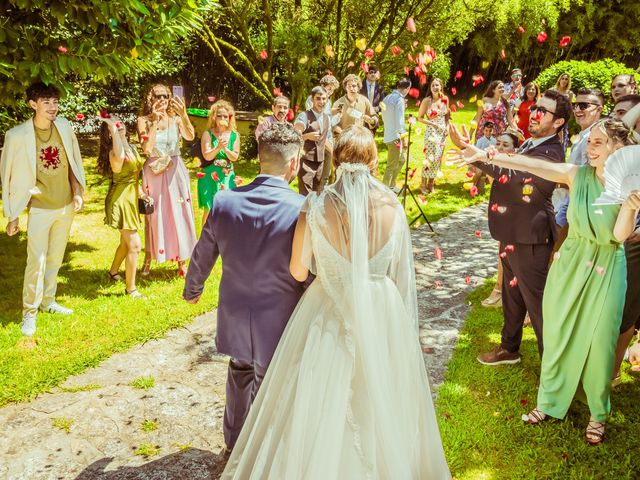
[(102, 430)]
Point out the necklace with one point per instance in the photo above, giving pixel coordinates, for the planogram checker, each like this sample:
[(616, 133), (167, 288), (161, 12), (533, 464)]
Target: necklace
[(50, 129)]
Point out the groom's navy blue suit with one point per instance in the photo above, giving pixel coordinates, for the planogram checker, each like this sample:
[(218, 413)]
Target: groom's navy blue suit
[(251, 228)]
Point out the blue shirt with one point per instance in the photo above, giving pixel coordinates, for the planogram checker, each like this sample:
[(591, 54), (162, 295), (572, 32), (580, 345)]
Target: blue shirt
[(393, 116)]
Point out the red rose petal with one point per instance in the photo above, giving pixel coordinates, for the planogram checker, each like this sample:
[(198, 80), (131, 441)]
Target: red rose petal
[(211, 98), (144, 138), (62, 49), (453, 108), (454, 90), (467, 280), (509, 248), (437, 252), (396, 50), (277, 92), (79, 116), (414, 92), (290, 115), (104, 114), (542, 37), (460, 104), (521, 29), (523, 402), (369, 53), (200, 174), (514, 282), (503, 254), (215, 177), (478, 233), (161, 251), (473, 191), (458, 75), (494, 207), (503, 179), (264, 55), (469, 174), (564, 41)]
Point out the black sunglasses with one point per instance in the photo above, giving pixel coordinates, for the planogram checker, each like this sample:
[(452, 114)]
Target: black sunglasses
[(162, 96), (583, 105), (544, 111)]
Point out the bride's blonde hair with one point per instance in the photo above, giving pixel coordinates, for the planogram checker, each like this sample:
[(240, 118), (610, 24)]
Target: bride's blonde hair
[(356, 145)]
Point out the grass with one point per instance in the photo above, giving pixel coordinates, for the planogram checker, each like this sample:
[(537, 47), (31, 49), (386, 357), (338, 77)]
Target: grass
[(81, 388), (149, 426), (480, 411), (143, 383), (104, 320), (62, 423), (147, 450)]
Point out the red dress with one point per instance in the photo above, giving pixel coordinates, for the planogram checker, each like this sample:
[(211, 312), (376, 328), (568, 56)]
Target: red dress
[(523, 117)]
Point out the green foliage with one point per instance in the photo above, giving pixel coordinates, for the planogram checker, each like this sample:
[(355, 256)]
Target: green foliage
[(149, 425), (147, 450), (62, 423), (584, 74), (99, 40), (81, 388), (143, 383)]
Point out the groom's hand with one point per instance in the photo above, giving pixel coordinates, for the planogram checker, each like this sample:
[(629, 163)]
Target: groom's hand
[(193, 300)]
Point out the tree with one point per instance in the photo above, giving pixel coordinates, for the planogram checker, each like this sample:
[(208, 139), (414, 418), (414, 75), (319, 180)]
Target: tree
[(63, 42)]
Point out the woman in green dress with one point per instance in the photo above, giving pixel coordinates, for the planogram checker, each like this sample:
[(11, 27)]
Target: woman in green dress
[(585, 289), (122, 164), (220, 144)]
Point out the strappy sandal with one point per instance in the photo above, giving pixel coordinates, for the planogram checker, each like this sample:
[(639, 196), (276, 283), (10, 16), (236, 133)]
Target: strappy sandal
[(594, 435), (116, 277), (135, 294), (536, 417), (146, 268)]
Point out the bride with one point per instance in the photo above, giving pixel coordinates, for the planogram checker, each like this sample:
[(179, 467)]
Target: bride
[(346, 395)]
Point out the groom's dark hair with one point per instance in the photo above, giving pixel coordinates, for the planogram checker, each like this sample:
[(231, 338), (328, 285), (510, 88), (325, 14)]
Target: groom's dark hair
[(278, 144)]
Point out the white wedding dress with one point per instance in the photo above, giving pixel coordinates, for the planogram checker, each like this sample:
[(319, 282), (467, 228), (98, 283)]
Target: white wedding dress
[(346, 396)]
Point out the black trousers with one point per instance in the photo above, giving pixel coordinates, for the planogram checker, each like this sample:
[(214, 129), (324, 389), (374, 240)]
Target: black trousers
[(529, 264), (631, 313), (243, 382)]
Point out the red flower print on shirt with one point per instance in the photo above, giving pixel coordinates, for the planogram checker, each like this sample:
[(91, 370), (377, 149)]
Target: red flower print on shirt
[(50, 157)]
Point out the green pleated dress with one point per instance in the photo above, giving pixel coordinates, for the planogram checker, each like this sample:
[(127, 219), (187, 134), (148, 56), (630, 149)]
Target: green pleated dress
[(121, 203), (582, 305)]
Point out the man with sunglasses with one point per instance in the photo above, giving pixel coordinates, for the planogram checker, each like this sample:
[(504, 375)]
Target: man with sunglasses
[(521, 219)]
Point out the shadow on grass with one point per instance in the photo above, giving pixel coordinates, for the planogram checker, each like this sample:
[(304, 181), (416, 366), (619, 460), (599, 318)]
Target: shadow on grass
[(189, 463)]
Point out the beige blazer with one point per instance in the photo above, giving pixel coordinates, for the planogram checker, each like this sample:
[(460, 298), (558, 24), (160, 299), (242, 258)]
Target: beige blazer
[(18, 164)]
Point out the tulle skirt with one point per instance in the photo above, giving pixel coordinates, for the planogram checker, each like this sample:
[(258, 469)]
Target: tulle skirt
[(321, 415)]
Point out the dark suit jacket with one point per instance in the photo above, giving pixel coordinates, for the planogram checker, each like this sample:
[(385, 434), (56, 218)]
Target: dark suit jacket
[(251, 228), (528, 222), (378, 94)]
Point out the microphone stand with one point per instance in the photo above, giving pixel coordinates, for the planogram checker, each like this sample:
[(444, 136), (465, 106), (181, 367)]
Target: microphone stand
[(405, 187)]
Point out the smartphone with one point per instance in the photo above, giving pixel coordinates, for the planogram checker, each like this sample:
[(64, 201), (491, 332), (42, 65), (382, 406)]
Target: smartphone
[(178, 91)]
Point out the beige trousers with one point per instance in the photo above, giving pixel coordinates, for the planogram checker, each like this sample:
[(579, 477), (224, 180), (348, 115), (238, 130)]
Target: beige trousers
[(394, 164), (47, 235)]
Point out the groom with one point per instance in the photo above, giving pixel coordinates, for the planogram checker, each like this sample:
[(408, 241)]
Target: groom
[(251, 228)]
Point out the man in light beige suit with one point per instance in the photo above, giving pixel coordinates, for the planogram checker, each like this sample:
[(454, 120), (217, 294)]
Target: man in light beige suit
[(41, 169)]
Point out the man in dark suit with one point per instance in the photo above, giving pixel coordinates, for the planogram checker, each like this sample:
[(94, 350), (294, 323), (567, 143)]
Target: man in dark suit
[(372, 89), (251, 228), (521, 218)]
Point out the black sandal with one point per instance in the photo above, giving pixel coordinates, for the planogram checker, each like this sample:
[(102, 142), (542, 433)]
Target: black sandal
[(536, 417), (594, 435), (116, 277)]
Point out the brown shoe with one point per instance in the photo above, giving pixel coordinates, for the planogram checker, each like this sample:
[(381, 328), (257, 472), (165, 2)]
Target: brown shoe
[(499, 356)]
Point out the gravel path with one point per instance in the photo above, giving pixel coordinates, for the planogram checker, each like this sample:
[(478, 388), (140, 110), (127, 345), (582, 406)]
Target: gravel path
[(103, 430)]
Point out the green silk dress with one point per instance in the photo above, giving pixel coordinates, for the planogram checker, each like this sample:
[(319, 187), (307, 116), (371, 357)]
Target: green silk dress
[(582, 305), (220, 175), (121, 203)]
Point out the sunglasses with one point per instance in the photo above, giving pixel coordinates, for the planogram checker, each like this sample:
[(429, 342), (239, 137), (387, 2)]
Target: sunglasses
[(161, 96), (517, 76), (583, 105), (541, 109)]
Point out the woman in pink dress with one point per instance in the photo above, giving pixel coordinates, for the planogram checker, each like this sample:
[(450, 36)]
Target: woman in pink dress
[(170, 232)]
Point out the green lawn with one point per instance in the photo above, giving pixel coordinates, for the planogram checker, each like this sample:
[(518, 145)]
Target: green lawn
[(480, 411), (105, 321)]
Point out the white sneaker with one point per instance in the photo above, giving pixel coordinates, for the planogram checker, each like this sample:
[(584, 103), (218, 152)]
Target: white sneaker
[(54, 307), (28, 326)]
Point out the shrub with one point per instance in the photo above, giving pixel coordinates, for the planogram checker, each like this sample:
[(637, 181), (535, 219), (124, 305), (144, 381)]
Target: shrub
[(585, 74)]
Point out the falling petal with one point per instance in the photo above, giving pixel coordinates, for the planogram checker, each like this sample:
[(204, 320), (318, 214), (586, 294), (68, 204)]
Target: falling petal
[(598, 211), (239, 181), (382, 106), (458, 75), (528, 180), (589, 263), (502, 209), (437, 252), (600, 271), (277, 92), (478, 233), (214, 176), (79, 117), (396, 50), (302, 60), (413, 172), (503, 255), (514, 282), (509, 248), (469, 174), (453, 108), (351, 65), (503, 179), (494, 207), (526, 198), (414, 92), (523, 402), (460, 104), (473, 99), (379, 48), (503, 54), (521, 29), (161, 251), (411, 26), (485, 64), (264, 55), (438, 284), (211, 98), (542, 37), (361, 43), (290, 115), (467, 280), (564, 41), (527, 189), (454, 90), (418, 131), (134, 52), (265, 76), (200, 174), (329, 51)]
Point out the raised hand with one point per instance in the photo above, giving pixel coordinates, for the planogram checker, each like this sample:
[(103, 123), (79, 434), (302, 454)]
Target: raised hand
[(178, 106), (468, 154), (459, 138)]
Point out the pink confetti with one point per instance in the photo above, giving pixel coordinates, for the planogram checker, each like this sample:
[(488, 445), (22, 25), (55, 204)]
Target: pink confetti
[(438, 284), (494, 207), (473, 191), (467, 280), (514, 282), (454, 90), (509, 248), (62, 49), (458, 75), (503, 254), (264, 55), (369, 53), (396, 50), (411, 25), (437, 252)]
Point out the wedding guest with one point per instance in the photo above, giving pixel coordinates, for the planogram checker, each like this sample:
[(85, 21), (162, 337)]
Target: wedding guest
[(280, 108), (587, 110), (487, 139), (350, 349), (394, 131), (563, 86), (330, 85), (494, 109), (434, 113), (528, 100), (374, 91), (170, 232), (505, 143), (353, 108), (41, 170), (122, 164), (315, 127), (513, 91), (623, 105), (220, 144), (521, 219), (584, 295), (623, 84), (251, 228)]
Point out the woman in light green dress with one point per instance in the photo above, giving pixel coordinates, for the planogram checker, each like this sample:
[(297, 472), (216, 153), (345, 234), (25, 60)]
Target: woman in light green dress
[(122, 164), (585, 289)]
